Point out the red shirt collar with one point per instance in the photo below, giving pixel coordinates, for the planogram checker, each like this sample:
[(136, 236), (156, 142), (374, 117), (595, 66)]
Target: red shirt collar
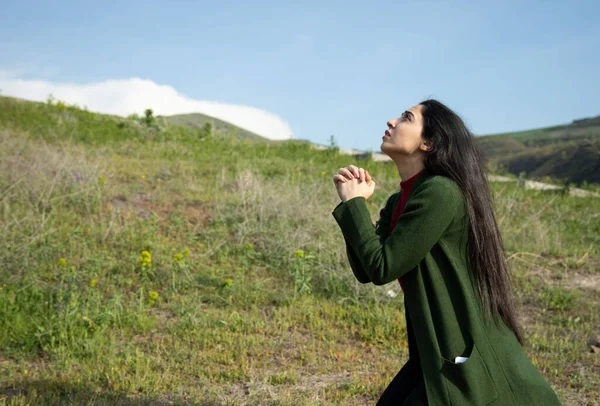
[(407, 184)]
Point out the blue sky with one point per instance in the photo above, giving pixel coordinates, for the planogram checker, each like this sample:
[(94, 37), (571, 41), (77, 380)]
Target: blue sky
[(341, 68)]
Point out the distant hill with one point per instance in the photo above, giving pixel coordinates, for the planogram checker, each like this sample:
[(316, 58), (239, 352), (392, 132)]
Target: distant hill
[(570, 152), (198, 121), (96, 127)]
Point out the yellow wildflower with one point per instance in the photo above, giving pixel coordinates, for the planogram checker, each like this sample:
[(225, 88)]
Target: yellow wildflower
[(323, 173), (93, 283), (153, 295), (62, 263), (177, 257), (101, 180), (299, 254), (145, 259)]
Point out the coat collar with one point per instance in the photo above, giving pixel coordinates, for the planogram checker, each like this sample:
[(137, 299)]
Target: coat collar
[(425, 174)]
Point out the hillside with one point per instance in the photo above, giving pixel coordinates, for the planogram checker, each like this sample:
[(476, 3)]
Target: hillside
[(199, 121), (570, 152), (95, 127), (567, 153), (152, 264)]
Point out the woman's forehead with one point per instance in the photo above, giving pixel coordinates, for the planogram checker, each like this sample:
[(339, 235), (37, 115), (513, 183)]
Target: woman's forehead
[(416, 109)]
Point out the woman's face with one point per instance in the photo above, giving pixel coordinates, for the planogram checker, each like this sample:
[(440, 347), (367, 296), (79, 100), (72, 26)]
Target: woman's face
[(403, 136)]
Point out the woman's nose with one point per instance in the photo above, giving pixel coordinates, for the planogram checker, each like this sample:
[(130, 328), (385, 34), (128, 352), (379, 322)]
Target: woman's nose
[(390, 124)]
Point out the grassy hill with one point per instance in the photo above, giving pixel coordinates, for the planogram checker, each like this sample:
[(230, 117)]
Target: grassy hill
[(162, 265), (93, 127), (569, 152), (199, 121)]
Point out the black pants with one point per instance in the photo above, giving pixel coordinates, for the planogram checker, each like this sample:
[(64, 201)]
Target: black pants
[(407, 388)]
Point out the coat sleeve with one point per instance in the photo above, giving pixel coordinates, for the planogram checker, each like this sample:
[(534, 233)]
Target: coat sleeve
[(381, 229), (428, 213)]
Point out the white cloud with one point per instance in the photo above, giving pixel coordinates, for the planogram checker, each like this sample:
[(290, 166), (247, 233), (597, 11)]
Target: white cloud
[(128, 96)]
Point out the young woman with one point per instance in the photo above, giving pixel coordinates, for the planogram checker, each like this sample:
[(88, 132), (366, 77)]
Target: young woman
[(439, 238)]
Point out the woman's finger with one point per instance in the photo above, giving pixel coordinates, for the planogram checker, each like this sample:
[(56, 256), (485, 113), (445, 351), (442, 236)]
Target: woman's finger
[(345, 172), (354, 170), (339, 178), (361, 174), (367, 176)]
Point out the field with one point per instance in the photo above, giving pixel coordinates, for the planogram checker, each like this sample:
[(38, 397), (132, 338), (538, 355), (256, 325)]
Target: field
[(161, 265)]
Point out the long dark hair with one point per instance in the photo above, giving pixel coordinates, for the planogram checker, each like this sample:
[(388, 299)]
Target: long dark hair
[(454, 154)]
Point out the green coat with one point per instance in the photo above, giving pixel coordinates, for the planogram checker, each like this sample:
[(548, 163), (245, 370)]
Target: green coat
[(428, 247)]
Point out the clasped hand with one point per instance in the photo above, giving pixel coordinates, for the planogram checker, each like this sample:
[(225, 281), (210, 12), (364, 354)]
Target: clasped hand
[(352, 182)]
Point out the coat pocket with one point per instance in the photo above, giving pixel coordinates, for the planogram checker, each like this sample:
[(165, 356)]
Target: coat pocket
[(470, 382)]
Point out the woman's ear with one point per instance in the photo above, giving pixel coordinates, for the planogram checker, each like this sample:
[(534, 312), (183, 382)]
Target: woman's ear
[(425, 145)]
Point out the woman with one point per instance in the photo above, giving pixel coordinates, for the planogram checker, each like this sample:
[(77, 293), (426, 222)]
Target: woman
[(465, 345)]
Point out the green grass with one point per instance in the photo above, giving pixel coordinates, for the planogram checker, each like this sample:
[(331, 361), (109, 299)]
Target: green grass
[(246, 296)]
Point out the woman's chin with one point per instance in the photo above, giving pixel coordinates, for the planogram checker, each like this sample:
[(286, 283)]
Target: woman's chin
[(389, 150)]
